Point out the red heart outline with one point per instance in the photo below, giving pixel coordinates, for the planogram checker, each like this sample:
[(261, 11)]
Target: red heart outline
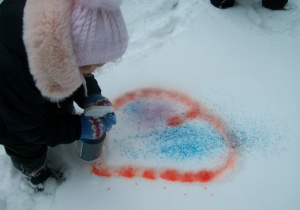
[(196, 111)]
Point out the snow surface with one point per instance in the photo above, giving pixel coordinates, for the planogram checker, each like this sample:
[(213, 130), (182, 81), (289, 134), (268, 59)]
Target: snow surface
[(241, 63)]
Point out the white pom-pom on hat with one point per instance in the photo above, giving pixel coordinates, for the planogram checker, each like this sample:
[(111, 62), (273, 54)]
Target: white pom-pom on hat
[(104, 4)]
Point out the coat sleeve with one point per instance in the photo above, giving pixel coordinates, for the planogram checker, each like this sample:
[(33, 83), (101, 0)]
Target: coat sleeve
[(92, 88), (25, 112)]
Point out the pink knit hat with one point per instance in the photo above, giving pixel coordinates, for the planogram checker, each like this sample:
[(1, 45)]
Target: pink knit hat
[(98, 30)]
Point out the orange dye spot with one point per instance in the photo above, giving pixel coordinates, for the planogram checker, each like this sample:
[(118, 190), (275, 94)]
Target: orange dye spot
[(149, 174), (131, 96), (101, 172), (171, 175), (127, 172), (188, 177), (193, 113), (175, 121), (204, 176)]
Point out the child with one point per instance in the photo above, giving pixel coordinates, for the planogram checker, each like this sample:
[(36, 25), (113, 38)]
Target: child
[(48, 51)]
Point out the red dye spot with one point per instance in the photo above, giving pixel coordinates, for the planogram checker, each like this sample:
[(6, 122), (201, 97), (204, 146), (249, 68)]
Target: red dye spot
[(171, 175), (204, 176), (127, 172), (149, 174), (175, 121), (100, 172), (188, 177), (165, 188), (108, 188), (131, 96), (193, 113)]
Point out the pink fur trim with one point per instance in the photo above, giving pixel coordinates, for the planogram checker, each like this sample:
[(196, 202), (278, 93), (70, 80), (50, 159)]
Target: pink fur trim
[(48, 42), (104, 4)]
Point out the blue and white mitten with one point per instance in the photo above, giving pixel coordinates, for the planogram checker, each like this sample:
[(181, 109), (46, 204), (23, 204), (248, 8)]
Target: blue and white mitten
[(93, 128), (98, 117)]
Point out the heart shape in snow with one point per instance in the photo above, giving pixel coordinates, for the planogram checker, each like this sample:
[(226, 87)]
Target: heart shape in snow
[(165, 134)]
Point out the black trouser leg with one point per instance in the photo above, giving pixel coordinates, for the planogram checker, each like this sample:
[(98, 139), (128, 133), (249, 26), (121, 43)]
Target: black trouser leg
[(27, 157), (274, 4), (222, 3)]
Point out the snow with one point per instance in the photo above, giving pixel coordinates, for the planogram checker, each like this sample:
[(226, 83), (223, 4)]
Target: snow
[(242, 64)]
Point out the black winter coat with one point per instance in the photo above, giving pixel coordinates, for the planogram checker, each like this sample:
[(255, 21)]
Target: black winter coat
[(25, 115)]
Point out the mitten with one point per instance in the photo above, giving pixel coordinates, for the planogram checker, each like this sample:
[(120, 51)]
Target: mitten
[(93, 128), (110, 119), (98, 117), (96, 105), (96, 100)]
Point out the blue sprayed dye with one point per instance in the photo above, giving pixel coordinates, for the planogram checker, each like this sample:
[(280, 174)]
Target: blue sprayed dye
[(151, 137), (189, 141)]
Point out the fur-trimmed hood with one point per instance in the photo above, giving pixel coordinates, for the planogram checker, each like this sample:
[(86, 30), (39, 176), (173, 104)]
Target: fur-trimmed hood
[(48, 41), (47, 35)]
